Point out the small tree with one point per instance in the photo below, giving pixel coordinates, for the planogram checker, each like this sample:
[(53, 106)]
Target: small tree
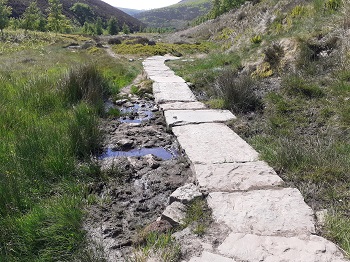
[(112, 27), (99, 26), (83, 12), (5, 12), (56, 20), (31, 17), (126, 29)]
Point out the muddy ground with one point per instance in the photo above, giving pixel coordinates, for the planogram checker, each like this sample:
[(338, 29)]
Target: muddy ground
[(137, 187)]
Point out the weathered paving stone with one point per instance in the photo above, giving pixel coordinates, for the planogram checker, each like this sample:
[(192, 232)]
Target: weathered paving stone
[(184, 117), (281, 212), (252, 248), (172, 92), (210, 257), (228, 177), (174, 213), (212, 143), (170, 79), (182, 106), (185, 194)]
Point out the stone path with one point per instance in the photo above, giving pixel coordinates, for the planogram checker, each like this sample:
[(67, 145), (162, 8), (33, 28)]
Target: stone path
[(266, 221)]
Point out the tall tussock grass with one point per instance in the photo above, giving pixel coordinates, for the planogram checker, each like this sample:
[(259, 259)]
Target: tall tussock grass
[(47, 127), (85, 83)]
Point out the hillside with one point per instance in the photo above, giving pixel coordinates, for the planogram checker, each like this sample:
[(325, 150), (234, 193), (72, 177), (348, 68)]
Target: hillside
[(100, 8), (175, 16)]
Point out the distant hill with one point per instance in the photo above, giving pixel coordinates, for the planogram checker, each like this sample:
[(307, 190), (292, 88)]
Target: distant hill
[(176, 16), (100, 8), (131, 12)]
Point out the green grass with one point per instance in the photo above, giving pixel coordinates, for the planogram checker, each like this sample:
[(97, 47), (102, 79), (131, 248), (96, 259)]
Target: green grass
[(50, 103), (198, 216), (161, 49), (158, 247), (202, 72)]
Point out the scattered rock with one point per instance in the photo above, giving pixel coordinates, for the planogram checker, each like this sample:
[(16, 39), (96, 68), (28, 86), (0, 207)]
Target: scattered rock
[(120, 102), (321, 217), (151, 161), (125, 143), (185, 194), (175, 213)]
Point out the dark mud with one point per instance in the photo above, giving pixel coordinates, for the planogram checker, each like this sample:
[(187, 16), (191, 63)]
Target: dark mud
[(136, 189)]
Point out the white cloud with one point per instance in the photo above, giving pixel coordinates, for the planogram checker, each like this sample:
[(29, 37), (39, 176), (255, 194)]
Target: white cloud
[(143, 4)]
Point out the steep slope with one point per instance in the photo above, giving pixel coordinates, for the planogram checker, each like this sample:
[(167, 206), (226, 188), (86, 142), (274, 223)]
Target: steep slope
[(100, 8), (175, 16)]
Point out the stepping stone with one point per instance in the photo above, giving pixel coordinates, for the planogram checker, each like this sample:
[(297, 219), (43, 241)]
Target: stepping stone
[(172, 92), (213, 143), (252, 248), (182, 106), (263, 212), (184, 117), (210, 257), (229, 177)]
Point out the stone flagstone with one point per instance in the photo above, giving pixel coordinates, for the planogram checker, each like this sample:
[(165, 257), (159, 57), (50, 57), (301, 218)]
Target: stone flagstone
[(213, 143), (210, 257), (163, 79), (253, 248), (184, 117), (229, 177), (182, 106), (172, 92), (268, 223), (263, 212)]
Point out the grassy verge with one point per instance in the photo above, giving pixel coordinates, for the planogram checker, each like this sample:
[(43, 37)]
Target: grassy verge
[(50, 106)]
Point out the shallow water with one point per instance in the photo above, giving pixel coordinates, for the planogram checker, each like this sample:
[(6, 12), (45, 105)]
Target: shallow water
[(160, 152)]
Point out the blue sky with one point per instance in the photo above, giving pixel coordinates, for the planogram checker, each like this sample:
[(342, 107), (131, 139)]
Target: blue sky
[(141, 4)]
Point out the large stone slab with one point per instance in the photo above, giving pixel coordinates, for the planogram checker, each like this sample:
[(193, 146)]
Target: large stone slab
[(172, 92), (163, 79), (213, 143), (152, 74), (228, 177), (252, 248), (281, 212), (182, 106), (210, 257), (184, 117)]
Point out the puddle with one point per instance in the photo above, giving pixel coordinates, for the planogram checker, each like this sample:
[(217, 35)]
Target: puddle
[(160, 152), (136, 113)]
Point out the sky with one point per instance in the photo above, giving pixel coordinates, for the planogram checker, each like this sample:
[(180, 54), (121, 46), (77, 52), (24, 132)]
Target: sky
[(141, 4)]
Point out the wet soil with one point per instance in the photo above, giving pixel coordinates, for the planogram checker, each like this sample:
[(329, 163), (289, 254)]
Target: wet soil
[(137, 186)]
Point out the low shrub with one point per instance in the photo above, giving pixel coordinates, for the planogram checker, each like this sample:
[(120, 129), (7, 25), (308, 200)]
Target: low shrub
[(273, 54), (114, 41), (237, 92)]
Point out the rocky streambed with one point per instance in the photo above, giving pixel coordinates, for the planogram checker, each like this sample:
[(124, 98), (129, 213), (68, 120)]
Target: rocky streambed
[(143, 165)]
